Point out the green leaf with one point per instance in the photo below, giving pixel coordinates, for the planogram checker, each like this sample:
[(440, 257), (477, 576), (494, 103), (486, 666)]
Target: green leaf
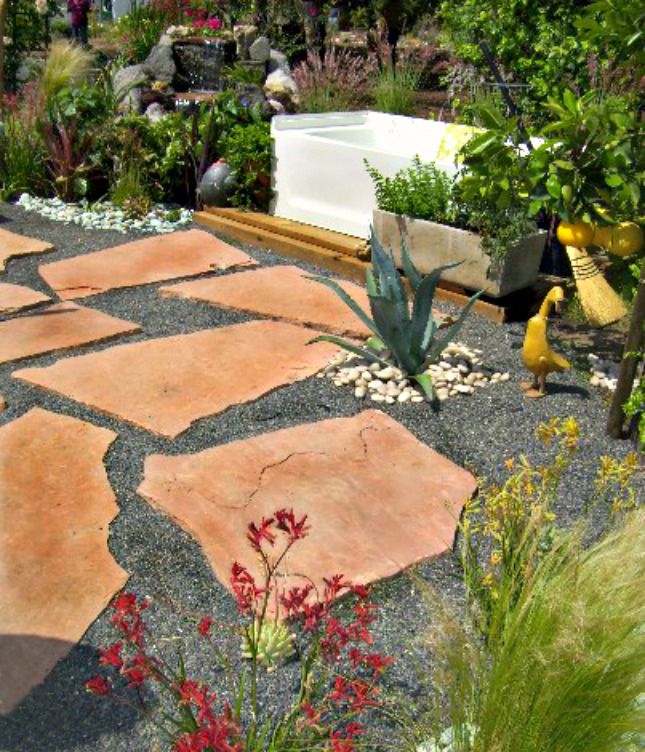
[(424, 380), (350, 347), (553, 186), (570, 101), (564, 164), (452, 330), (348, 300), (534, 207), (409, 268), (613, 180)]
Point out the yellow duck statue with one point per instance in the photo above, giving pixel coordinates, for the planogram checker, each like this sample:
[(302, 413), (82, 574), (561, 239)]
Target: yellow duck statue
[(538, 357)]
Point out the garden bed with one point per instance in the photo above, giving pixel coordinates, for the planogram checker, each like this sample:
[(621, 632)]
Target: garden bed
[(478, 432)]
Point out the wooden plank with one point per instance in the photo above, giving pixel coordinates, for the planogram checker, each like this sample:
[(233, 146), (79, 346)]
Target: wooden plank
[(334, 261), (334, 241)]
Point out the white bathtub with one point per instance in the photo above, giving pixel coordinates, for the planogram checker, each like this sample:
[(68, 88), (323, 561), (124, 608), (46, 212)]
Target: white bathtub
[(319, 174)]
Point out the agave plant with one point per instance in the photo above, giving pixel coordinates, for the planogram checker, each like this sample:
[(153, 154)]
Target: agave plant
[(410, 336)]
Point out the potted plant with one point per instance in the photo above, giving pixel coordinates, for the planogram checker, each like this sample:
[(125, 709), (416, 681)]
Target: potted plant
[(497, 244)]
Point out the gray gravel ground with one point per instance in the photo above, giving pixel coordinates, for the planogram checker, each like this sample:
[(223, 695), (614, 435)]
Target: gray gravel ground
[(478, 432)]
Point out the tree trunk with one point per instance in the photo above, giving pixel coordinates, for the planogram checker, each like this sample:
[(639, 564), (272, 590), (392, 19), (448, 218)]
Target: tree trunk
[(392, 13), (4, 7), (629, 365)]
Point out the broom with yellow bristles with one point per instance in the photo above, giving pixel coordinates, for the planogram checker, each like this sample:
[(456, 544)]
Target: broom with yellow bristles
[(599, 301)]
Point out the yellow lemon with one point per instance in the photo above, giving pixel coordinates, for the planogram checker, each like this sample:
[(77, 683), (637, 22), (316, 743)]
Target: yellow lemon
[(576, 234), (602, 236), (626, 238)]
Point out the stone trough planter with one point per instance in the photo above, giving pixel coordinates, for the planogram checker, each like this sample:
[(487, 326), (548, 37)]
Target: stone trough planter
[(432, 245)]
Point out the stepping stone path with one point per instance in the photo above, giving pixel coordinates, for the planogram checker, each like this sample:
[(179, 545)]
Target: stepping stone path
[(141, 262), (16, 298), (12, 245), (280, 292), (378, 500), (165, 384), (55, 328), (56, 572)]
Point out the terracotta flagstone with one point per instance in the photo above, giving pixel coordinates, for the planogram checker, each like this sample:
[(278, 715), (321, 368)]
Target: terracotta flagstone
[(166, 384), (378, 500), (12, 244), (55, 328), (280, 292), (141, 262), (16, 297), (56, 572)]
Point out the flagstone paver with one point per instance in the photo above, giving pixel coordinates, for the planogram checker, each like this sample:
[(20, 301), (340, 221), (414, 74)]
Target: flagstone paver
[(165, 384), (280, 292), (141, 262), (16, 298), (56, 572), (378, 500), (57, 327), (12, 244)]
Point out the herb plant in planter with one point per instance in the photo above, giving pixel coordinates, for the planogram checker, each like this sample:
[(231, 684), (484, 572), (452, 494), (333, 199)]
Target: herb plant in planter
[(490, 247), (406, 336)]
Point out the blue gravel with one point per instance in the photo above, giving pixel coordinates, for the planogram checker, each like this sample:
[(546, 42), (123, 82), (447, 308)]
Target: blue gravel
[(478, 432)]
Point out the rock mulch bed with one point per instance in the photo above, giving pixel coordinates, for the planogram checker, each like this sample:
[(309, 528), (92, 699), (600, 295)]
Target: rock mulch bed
[(107, 216), (478, 433), (458, 372)]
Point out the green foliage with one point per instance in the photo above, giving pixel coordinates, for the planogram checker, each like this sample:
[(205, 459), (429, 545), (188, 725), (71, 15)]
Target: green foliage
[(550, 657), (616, 26), (244, 74), (66, 64), (247, 149), (409, 336), (635, 405), (591, 165), (22, 159), (139, 31), (422, 191), (25, 27), (534, 43), (473, 203), (395, 91)]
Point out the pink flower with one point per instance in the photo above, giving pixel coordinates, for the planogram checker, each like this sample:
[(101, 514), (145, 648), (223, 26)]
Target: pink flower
[(214, 23), (257, 534)]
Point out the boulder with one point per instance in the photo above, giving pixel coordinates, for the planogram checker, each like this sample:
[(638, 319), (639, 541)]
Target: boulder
[(278, 61), (244, 36), (127, 86), (280, 86), (160, 64), (155, 112), (260, 50)]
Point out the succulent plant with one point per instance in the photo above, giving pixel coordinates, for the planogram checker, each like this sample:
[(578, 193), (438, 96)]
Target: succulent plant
[(410, 336), (269, 641)]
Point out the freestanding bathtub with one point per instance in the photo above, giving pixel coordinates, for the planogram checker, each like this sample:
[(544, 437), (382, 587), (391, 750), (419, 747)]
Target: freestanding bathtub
[(319, 174)]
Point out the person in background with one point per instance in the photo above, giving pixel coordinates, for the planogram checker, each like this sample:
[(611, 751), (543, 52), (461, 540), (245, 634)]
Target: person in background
[(79, 10)]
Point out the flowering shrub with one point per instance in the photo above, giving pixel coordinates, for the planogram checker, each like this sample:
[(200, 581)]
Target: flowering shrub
[(339, 675)]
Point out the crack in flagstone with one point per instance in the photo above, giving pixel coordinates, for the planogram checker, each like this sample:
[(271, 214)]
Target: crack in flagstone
[(271, 466)]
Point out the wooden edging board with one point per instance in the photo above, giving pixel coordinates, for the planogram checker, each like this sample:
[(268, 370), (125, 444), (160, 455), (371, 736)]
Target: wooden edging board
[(256, 232), (333, 241)]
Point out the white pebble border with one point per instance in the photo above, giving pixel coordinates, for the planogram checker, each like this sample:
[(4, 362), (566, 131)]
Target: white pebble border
[(604, 373), (458, 372), (104, 215)]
